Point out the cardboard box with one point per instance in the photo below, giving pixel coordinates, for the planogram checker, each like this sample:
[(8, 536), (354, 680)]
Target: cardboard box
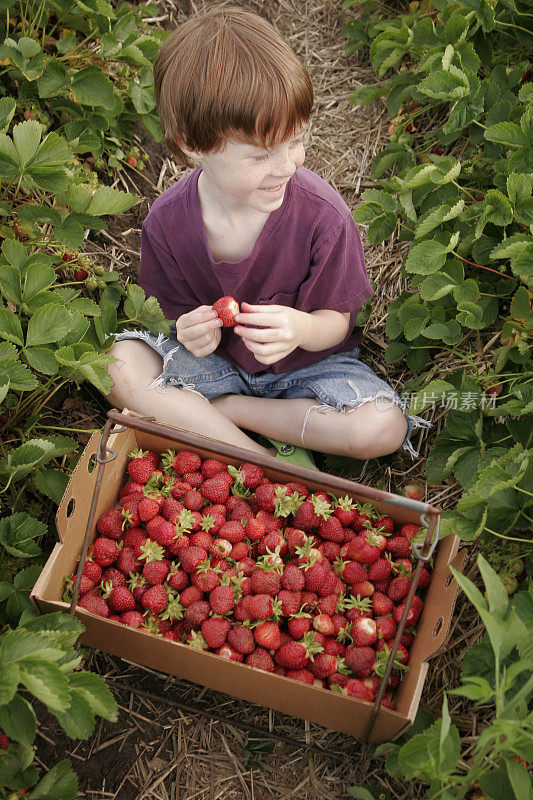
[(317, 705)]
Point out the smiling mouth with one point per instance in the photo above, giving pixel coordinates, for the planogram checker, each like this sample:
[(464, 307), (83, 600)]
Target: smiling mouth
[(274, 188)]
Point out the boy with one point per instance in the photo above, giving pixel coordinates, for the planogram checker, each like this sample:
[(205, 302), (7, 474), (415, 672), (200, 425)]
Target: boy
[(251, 222)]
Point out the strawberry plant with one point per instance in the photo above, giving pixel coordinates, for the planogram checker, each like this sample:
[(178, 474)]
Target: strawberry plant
[(456, 185), (497, 764)]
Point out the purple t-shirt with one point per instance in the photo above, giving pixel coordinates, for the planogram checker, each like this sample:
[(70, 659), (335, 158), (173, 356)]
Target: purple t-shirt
[(308, 256)]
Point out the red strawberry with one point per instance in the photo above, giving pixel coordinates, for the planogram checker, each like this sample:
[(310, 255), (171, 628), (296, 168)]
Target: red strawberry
[(356, 688), (149, 507), (380, 570), (92, 570), (302, 675), (177, 578), (127, 562), (259, 606), (412, 615), (424, 578), (190, 595), (363, 632), (110, 524), (195, 479), (265, 582), (113, 576), (250, 475), (140, 468), (323, 665), (331, 529), (191, 557), (229, 653), (265, 494), (386, 628), (410, 530), (95, 604), (193, 500), (399, 546), (130, 510), (215, 631), (170, 506), (414, 491), (196, 613), (267, 635), (241, 639), (293, 578), (134, 619), (185, 461), (156, 572), (360, 522), (384, 524), (360, 660), (215, 489), (179, 489), (345, 511), (121, 599), (316, 577), (298, 625), (290, 602), (222, 599), (233, 531), (260, 659), (226, 308), (294, 655), (212, 466), (353, 572), (155, 599), (104, 551), (399, 588), (381, 604)]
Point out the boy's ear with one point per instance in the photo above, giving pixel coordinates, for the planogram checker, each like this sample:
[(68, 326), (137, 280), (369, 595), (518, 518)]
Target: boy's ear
[(194, 155)]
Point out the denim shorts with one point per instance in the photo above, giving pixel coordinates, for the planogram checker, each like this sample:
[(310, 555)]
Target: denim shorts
[(338, 382)]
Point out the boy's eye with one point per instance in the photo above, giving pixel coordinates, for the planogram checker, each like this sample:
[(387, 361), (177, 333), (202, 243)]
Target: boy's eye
[(263, 157)]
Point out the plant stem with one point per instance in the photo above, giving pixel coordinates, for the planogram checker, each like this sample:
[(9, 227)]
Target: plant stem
[(501, 536)]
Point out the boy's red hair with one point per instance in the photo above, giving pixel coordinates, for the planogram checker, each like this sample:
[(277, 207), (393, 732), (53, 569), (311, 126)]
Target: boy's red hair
[(228, 73)]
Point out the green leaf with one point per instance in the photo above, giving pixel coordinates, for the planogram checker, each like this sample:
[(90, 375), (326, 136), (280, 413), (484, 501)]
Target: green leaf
[(434, 392), (497, 596), (52, 483), (46, 682), (90, 87), (25, 579), (497, 208), (18, 721), (445, 85), (436, 286), (110, 201), (471, 591), (367, 94), (83, 362), (17, 534), (60, 783), (512, 246), (9, 681), (507, 133), (381, 228), (10, 327), (48, 324), (78, 719), (26, 138), (429, 256), (519, 779), (95, 691), (41, 359)]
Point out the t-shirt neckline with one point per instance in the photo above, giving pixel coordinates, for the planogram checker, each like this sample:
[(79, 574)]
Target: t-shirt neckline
[(274, 219)]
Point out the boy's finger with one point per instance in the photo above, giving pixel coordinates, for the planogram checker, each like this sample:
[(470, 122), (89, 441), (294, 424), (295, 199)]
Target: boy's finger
[(202, 328), (257, 335), (199, 315)]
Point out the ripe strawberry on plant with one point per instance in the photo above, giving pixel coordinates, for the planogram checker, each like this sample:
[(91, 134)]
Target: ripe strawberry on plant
[(414, 491), (215, 631), (226, 308)]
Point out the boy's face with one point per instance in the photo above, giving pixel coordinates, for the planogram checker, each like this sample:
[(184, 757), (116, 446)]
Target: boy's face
[(244, 175)]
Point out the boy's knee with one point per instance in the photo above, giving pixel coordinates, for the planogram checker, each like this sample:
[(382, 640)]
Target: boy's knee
[(136, 365), (377, 431)]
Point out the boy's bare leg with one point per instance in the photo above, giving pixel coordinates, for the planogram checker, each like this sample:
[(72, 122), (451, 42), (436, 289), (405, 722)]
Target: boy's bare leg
[(367, 432), (137, 366)]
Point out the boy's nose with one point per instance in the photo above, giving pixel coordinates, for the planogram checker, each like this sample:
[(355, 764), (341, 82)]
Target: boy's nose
[(285, 166)]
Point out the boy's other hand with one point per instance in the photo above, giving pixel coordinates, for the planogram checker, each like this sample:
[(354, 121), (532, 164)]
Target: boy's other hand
[(282, 329), (199, 331)]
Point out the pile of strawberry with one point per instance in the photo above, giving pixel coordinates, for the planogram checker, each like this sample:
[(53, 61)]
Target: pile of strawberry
[(309, 586)]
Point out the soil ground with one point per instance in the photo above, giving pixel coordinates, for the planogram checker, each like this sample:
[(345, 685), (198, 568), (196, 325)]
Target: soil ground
[(157, 750)]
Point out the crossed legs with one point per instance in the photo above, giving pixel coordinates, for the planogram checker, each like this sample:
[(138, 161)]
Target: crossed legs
[(366, 432)]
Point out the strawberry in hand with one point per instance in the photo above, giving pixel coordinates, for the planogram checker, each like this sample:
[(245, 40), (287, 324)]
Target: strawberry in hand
[(226, 308)]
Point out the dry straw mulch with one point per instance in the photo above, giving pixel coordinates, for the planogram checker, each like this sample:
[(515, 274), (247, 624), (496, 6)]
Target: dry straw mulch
[(158, 750)]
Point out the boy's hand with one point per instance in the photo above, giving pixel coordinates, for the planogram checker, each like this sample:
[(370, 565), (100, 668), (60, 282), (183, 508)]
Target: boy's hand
[(199, 331), (282, 329)]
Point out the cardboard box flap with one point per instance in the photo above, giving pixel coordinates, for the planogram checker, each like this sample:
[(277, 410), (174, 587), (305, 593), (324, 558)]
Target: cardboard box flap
[(434, 624)]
